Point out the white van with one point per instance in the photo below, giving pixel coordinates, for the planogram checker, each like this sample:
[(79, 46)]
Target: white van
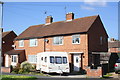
[(53, 62)]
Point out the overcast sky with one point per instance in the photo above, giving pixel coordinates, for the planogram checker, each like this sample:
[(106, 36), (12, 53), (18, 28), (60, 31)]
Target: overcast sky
[(20, 15)]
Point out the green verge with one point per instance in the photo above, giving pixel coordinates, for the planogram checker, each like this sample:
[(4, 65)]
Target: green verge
[(14, 77)]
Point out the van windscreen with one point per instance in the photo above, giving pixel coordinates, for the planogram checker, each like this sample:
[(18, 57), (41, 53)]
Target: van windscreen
[(58, 60)]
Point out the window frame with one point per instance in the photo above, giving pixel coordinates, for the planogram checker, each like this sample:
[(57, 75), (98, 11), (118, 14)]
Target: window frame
[(31, 45), (57, 60), (32, 59), (73, 36), (45, 59), (14, 59), (101, 40), (59, 39), (21, 42), (65, 60), (52, 57)]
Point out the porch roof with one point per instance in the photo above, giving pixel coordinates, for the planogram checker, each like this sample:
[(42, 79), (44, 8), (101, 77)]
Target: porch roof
[(14, 52)]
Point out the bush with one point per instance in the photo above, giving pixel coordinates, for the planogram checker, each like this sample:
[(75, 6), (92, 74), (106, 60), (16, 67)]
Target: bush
[(16, 69), (27, 67), (21, 70)]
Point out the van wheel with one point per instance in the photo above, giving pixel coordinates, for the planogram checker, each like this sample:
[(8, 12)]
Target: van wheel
[(116, 72)]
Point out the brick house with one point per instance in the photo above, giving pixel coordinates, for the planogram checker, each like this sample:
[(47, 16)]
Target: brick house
[(78, 37), (114, 46), (7, 42)]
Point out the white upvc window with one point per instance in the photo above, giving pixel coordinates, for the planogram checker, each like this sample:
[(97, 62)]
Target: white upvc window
[(76, 39), (14, 58), (58, 40), (33, 42), (21, 43), (32, 58)]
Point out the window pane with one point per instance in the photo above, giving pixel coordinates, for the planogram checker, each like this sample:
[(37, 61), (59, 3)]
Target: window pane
[(51, 59), (32, 58), (14, 58), (57, 40), (45, 59), (64, 60), (33, 42), (42, 58), (58, 60), (76, 39), (101, 40), (77, 60), (21, 43)]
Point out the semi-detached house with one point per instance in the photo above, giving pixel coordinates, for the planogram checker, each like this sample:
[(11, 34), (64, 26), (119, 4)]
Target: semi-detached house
[(78, 37)]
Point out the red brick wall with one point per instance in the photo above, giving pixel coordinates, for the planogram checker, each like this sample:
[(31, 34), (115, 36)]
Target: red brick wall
[(114, 50), (7, 46), (94, 72), (94, 34), (66, 47), (6, 69)]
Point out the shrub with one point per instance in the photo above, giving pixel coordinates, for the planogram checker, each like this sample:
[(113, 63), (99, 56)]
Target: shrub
[(21, 70), (27, 67), (16, 69)]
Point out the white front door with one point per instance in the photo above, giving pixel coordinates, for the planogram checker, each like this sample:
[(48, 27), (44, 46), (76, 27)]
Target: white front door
[(6, 61), (76, 59), (14, 60)]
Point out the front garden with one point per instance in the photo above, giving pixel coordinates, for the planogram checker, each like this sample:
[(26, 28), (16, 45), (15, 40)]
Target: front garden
[(26, 68), (14, 77)]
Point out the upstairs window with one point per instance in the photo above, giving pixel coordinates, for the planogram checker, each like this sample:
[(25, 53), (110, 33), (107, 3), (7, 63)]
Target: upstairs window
[(76, 39), (21, 43), (58, 40), (33, 42)]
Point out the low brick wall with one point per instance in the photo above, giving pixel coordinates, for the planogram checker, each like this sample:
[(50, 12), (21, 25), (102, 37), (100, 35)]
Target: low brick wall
[(94, 72), (6, 69)]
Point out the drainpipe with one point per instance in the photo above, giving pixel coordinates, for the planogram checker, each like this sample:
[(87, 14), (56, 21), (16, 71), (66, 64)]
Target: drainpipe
[(44, 44)]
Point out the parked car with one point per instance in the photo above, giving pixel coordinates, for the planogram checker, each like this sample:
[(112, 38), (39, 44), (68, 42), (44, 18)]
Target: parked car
[(117, 66)]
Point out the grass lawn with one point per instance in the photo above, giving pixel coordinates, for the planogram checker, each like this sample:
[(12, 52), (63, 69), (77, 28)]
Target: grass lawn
[(14, 77)]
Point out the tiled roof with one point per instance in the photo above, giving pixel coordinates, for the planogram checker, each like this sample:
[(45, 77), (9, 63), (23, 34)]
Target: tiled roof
[(5, 33), (114, 44), (79, 25), (14, 52)]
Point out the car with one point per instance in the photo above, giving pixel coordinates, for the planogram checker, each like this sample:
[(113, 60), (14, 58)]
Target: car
[(117, 66)]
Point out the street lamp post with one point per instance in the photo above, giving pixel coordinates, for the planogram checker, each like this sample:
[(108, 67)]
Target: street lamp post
[(1, 24)]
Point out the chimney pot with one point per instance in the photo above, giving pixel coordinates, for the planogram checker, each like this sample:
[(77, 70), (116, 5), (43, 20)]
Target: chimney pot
[(69, 16)]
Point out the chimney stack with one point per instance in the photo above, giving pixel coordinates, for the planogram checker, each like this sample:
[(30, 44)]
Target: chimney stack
[(112, 39), (49, 20), (69, 16)]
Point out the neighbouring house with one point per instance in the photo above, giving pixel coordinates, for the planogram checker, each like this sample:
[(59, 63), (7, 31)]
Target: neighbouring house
[(7, 42), (114, 45), (78, 37)]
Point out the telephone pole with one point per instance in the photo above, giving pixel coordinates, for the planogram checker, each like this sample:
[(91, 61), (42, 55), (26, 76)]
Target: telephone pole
[(1, 24)]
